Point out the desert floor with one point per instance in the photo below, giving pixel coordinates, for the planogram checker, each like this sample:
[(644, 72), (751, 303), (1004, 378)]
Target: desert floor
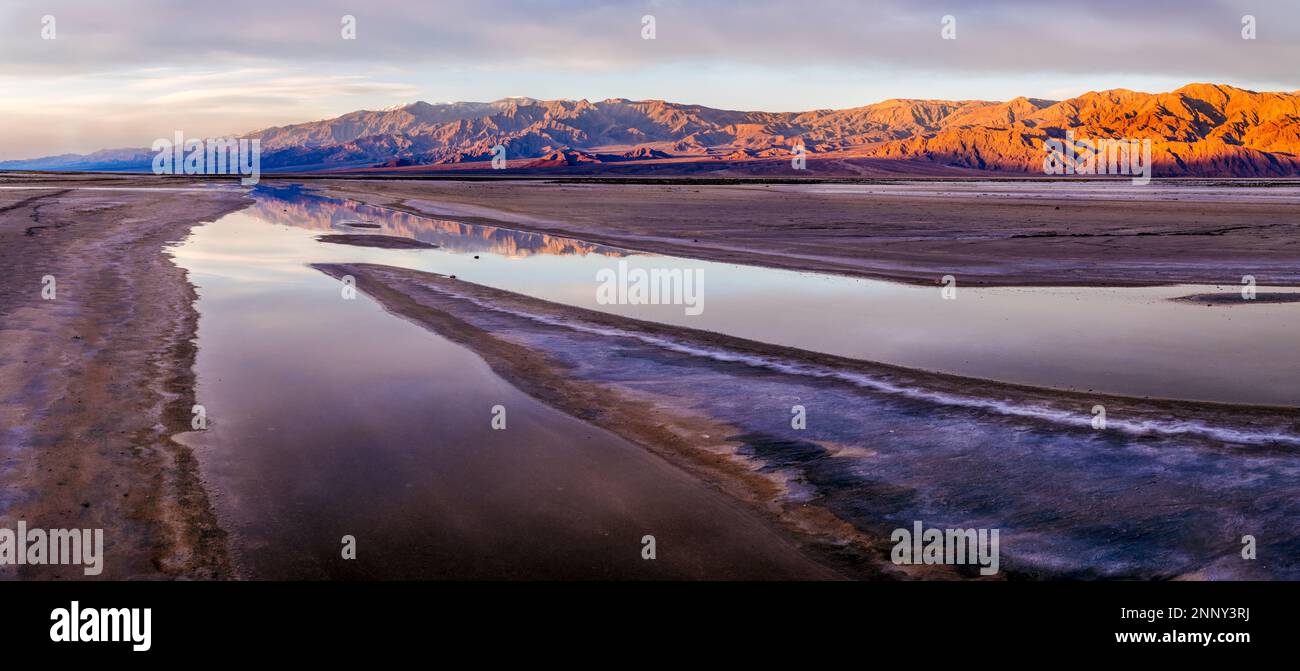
[(95, 383)]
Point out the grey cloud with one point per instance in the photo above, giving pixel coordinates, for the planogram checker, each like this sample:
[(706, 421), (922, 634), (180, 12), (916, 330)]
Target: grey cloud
[(1192, 40)]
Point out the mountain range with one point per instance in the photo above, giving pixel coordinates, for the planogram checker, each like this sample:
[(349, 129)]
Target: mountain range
[(1197, 130)]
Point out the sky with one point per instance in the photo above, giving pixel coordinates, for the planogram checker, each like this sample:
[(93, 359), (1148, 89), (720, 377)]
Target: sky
[(122, 73)]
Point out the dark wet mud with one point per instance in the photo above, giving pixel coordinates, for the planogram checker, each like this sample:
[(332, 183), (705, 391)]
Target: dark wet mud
[(380, 241)]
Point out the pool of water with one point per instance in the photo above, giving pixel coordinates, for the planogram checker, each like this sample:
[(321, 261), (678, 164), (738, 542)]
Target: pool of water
[(328, 417)]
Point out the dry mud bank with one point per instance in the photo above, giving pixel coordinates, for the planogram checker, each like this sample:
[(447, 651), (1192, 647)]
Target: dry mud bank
[(94, 382)]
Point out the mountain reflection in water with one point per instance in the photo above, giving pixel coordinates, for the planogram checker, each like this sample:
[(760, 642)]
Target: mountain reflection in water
[(292, 207)]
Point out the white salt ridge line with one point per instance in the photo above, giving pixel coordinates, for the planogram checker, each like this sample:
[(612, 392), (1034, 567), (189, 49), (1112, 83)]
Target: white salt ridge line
[(1137, 427)]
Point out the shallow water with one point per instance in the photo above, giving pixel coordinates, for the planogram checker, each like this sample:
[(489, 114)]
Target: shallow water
[(330, 417), (1128, 341)]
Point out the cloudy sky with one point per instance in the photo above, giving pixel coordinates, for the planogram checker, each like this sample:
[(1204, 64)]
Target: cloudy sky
[(125, 72)]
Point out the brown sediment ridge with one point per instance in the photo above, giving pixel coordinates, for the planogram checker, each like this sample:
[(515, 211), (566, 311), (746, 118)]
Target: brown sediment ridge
[(380, 241), (820, 534), (448, 306), (1008, 233), (1236, 298), (94, 384), (393, 282)]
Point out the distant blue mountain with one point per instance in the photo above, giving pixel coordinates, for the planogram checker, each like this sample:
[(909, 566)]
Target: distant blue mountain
[(119, 160)]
